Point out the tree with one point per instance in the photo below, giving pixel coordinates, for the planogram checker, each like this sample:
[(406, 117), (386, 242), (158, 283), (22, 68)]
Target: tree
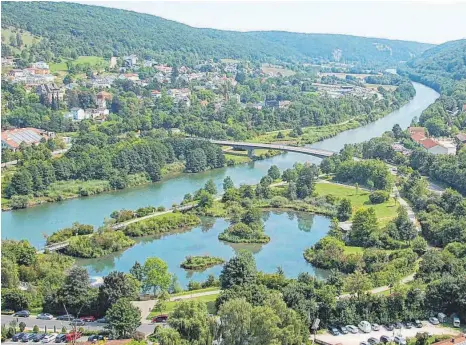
[(117, 285), (22, 326), (123, 318), (196, 160), (239, 270), (274, 172), (228, 183), (75, 292), (10, 277), (189, 319), (235, 317), (156, 275), (15, 299), (397, 131), (363, 227), (168, 336), (206, 199), (290, 175), (210, 187), (137, 271), (357, 283), (291, 192), (344, 210)]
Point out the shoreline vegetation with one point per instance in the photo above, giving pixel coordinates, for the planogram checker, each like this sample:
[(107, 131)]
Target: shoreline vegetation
[(65, 190), (200, 263)]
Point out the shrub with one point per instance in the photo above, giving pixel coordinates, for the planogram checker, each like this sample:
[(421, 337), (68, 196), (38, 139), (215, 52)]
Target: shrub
[(35, 329), (22, 326), (278, 201), (379, 196)]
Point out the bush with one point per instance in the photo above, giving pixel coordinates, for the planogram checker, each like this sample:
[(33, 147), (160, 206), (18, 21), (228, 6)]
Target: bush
[(22, 326), (139, 336), (278, 201), (161, 224), (379, 196), (35, 329)]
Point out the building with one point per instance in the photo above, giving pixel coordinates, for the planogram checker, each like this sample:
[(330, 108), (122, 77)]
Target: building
[(131, 60), (461, 137), (284, 104), (13, 138), (113, 62), (413, 130), (156, 93), (439, 147), (271, 103), (40, 65), (8, 61), (77, 114), (50, 91), (102, 98), (460, 340)]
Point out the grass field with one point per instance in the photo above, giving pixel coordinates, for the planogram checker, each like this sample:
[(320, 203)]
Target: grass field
[(238, 159), (385, 211), (209, 300), (91, 60), (275, 71), (26, 37), (310, 134), (185, 293)]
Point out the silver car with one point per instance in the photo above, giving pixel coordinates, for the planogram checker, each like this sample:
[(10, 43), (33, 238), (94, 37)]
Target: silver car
[(45, 316)]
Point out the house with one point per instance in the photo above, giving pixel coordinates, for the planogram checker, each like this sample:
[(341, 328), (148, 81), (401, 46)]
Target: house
[(113, 62), (129, 76), (77, 114), (30, 136), (284, 104), (40, 65), (459, 340), (412, 130), (156, 93), (461, 137), (102, 98), (94, 113), (130, 60), (397, 147), (418, 137), (16, 73), (8, 61), (50, 91), (439, 147)]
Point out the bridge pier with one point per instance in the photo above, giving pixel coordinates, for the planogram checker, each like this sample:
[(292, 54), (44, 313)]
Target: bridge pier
[(250, 152)]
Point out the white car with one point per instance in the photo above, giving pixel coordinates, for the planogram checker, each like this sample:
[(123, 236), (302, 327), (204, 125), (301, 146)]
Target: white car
[(399, 340), (365, 326), (434, 320), (45, 316), (49, 338), (352, 329)]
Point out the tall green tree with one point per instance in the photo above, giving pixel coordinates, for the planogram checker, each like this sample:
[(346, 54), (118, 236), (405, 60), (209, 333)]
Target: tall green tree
[(156, 275), (123, 318), (239, 270)]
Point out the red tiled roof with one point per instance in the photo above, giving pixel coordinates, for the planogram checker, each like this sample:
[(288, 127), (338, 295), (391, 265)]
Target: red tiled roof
[(461, 137), (15, 137), (458, 341), (412, 130), (418, 137), (429, 143)]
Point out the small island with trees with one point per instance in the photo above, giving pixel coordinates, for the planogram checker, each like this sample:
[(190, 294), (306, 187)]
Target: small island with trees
[(248, 229), (201, 262)]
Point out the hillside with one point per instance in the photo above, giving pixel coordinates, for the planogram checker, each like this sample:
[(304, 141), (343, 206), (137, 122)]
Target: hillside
[(440, 67), (91, 30)]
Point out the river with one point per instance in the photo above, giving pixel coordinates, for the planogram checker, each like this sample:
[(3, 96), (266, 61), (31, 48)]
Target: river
[(33, 223), (290, 234)]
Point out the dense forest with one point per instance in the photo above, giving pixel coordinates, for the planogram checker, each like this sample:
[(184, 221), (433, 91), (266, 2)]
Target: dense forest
[(70, 29)]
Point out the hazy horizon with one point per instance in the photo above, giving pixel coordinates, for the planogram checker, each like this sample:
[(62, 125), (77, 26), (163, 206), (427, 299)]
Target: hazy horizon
[(429, 22)]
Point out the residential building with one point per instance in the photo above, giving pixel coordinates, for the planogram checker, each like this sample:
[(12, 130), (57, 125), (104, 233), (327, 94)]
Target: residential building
[(50, 91), (113, 62), (8, 61), (40, 65), (164, 69), (13, 138), (412, 130), (77, 114), (461, 137), (102, 98), (130, 60), (156, 93), (93, 113), (439, 147), (284, 104)]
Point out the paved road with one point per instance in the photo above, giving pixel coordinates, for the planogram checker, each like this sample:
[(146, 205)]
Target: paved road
[(32, 321)]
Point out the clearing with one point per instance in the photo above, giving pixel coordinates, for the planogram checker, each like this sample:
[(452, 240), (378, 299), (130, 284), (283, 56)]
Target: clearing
[(91, 60), (276, 71)]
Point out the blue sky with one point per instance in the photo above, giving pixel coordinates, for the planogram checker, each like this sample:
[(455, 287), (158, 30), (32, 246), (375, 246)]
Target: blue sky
[(424, 21)]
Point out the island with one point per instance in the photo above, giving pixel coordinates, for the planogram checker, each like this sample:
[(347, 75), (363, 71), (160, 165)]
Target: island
[(201, 262)]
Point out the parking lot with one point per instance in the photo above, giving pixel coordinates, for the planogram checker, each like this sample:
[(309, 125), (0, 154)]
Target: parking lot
[(355, 339)]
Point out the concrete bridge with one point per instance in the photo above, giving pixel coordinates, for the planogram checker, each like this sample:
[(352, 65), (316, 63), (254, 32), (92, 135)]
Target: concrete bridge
[(251, 146)]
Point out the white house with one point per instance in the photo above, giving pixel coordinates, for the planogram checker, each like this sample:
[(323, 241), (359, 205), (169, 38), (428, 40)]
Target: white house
[(439, 147), (77, 114), (40, 65)]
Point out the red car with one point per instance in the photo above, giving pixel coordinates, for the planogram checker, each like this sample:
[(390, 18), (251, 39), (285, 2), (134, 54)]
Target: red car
[(72, 336), (160, 319), (87, 318)]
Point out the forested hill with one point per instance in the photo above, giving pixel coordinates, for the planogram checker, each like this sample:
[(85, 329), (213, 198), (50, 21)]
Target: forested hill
[(92, 30), (440, 67)]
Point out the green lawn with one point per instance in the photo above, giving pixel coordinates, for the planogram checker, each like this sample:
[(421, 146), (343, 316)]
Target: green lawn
[(61, 66), (26, 37), (385, 211), (184, 293), (353, 250), (209, 300), (238, 159)]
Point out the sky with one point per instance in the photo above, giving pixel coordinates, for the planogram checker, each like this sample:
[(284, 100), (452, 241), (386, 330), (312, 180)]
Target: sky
[(423, 21)]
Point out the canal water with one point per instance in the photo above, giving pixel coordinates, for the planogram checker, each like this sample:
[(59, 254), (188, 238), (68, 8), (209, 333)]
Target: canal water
[(34, 222), (290, 234)]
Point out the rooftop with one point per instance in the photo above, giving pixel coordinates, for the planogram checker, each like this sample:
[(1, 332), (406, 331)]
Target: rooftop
[(15, 137)]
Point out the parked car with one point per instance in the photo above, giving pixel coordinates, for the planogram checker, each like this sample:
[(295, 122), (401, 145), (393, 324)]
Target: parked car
[(373, 341), (408, 324), (95, 337), (399, 340), (17, 336), (433, 320), (353, 329), (334, 331), (49, 338), (343, 330), (101, 320), (398, 325), (72, 336), (77, 322), (88, 318), (363, 343), (22, 313), (389, 326), (456, 322), (61, 338), (45, 316), (38, 337), (66, 317), (160, 318), (375, 327), (385, 339), (8, 312), (417, 323), (28, 337), (365, 326), (441, 317)]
